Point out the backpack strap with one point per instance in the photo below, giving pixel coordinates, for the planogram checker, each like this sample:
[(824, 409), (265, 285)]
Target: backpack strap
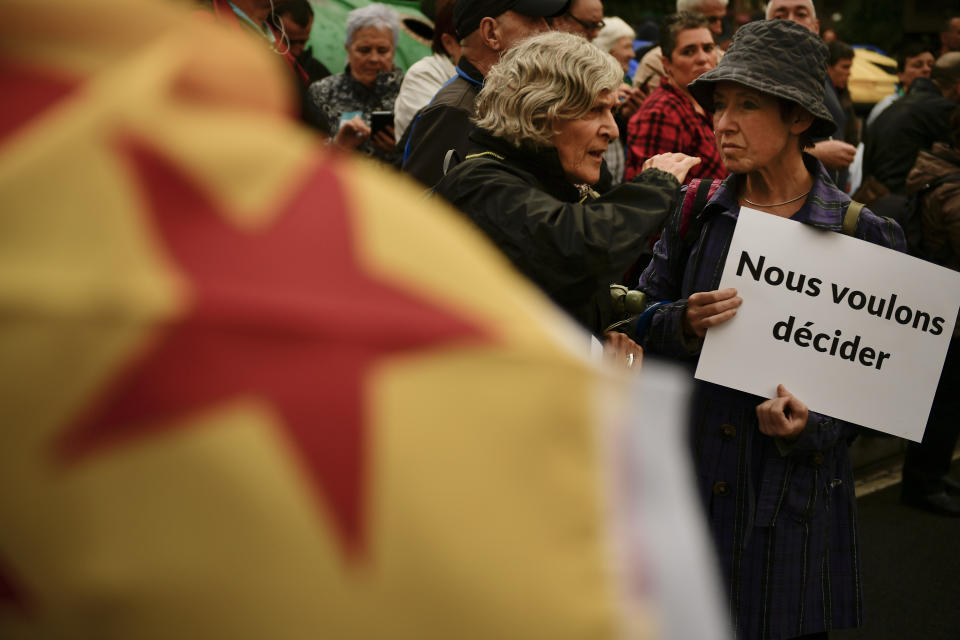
[(708, 187), (851, 217), (694, 199), (698, 193)]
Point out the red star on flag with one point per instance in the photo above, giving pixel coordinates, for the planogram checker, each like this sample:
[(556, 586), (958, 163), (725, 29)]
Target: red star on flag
[(29, 92), (285, 314)]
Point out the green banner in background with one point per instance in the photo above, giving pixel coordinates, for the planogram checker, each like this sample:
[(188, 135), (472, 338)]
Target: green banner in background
[(329, 31)]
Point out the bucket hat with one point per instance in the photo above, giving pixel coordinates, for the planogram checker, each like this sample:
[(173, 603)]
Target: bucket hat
[(467, 14), (779, 58)]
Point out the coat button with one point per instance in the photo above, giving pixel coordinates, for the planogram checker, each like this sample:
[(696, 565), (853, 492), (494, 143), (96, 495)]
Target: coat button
[(721, 488), (728, 432), (816, 458)]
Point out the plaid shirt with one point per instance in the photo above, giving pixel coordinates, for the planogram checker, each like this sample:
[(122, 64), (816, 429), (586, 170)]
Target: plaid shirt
[(783, 519), (668, 122)]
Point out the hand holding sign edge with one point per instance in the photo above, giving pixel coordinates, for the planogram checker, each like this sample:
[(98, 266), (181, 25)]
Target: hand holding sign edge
[(784, 416), (707, 309)]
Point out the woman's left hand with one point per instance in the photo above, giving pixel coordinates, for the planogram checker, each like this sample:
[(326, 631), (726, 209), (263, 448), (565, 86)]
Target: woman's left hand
[(784, 416), (619, 348), (676, 164)]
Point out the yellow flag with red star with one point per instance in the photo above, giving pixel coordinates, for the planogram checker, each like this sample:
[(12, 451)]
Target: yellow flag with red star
[(253, 390)]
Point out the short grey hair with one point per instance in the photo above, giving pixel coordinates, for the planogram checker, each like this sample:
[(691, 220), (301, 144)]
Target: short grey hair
[(694, 5), (613, 29), (672, 25), (768, 11), (377, 16), (545, 78)]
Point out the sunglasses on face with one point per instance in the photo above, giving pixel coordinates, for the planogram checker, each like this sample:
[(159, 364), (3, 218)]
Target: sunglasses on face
[(588, 26)]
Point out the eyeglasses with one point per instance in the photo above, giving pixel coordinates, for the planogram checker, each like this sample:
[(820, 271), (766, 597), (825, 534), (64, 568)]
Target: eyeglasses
[(587, 26), (712, 19)]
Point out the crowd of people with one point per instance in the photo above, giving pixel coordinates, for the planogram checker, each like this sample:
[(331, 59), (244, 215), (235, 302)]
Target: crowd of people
[(525, 118)]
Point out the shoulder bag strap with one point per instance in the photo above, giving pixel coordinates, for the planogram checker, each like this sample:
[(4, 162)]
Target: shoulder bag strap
[(851, 217)]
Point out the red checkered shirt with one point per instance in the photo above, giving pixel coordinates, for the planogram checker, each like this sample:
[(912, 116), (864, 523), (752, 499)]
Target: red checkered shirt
[(668, 122)]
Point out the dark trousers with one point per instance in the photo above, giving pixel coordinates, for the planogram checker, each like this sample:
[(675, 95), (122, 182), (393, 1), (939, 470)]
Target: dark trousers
[(927, 462)]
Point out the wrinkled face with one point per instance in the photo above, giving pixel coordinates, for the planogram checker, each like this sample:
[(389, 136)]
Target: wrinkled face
[(623, 51), (584, 18), (694, 54), (800, 11), (514, 27), (714, 12), (370, 52), (750, 133), (581, 143), (916, 67), (840, 72), (296, 34)]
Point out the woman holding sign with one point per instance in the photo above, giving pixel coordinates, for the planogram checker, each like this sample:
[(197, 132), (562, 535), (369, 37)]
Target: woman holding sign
[(775, 477)]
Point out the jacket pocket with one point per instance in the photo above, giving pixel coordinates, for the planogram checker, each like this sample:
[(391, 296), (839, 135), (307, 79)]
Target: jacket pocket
[(790, 490)]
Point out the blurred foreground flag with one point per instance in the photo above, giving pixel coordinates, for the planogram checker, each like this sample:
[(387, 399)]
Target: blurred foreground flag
[(252, 391)]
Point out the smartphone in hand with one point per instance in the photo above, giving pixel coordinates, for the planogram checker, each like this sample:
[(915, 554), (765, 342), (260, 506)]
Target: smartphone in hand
[(380, 120)]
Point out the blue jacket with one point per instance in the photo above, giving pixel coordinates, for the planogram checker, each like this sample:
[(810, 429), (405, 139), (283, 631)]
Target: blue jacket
[(783, 517)]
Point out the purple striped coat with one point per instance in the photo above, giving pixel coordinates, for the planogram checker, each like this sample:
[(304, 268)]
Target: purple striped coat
[(783, 517)]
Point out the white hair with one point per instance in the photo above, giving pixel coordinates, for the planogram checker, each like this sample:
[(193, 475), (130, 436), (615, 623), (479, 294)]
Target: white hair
[(613, 29), (768, 12), (546, 78), (694, 5), (377, 16)]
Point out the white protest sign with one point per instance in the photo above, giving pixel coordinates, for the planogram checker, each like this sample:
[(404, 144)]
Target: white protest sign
[(854, 330)]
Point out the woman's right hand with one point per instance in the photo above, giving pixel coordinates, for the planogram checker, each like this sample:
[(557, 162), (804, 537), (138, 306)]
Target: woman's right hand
[(619, 348), (707, 309), (676, 164), (352, 134)]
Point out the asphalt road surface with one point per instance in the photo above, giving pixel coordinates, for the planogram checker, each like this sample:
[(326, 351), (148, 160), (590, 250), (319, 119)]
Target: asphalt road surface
[(911, 571)]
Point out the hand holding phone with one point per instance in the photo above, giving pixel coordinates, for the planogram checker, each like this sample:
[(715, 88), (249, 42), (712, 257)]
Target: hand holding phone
[(380, 120)]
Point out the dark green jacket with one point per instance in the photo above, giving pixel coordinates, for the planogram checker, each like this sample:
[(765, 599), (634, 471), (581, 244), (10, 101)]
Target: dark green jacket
[(572, 246)]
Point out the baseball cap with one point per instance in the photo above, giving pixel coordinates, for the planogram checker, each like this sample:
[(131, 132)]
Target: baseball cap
[(467, 14)]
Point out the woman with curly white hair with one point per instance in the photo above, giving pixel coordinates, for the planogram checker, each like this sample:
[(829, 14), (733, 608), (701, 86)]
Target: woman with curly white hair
[(544, 120)]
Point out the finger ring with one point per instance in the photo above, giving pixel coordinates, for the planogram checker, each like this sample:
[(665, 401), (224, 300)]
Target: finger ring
[(629, 360)]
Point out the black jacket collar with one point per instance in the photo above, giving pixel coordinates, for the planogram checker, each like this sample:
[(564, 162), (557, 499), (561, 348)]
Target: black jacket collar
[(464, 67), (543, 164), (924, 85)]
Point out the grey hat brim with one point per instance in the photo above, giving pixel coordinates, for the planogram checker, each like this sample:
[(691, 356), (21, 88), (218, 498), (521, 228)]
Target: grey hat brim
[(702, 91)]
